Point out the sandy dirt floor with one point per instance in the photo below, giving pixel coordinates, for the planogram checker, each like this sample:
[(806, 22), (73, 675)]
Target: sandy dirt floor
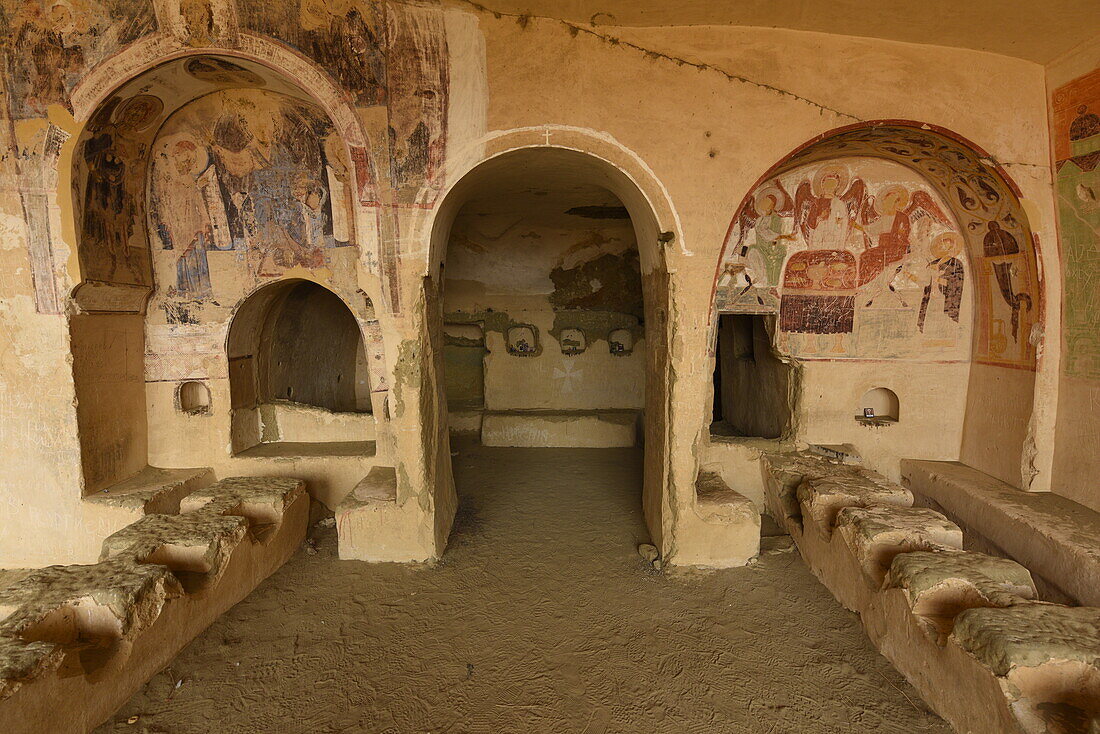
[(541, 617)]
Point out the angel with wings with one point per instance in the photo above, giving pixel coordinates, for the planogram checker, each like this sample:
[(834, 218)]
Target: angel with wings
[(902, 215), (765, 215), (899, 211), (828, 219)]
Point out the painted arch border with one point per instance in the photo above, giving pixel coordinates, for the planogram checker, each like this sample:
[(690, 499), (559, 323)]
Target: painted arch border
[(1034, 250), (150, 52)]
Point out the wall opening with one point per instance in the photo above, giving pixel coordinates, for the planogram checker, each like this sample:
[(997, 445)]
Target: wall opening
[(555, 255), (298, 370), (879, 405), (543, 269), (193, 397), (752, 385)]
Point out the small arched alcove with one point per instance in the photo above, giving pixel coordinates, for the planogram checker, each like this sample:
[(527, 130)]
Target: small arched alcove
[(879, 405), (298, 370)]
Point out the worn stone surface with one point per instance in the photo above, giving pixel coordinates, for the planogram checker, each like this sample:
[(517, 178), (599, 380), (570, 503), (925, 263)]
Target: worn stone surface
[(1030, 635), (1057, 538), (261, 499), (826, 496), (876, 535), (996, 579), (129, 594)]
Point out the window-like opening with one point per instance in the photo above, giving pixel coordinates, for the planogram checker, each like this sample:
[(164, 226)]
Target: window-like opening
[(879, 405), (194, 397), (572, 341), (298, 370), (751, 383), (464, 366)]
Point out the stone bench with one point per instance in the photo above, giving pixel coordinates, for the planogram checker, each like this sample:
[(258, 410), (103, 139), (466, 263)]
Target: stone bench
[(877, 535), (823, 498), (1056, 538), (940, 584), (722, 529), (961, 626), (92, 635), (372, 526), (783, 474), (1046, 658)]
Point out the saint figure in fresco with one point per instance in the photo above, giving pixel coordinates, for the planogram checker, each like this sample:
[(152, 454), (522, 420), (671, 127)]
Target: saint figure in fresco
[(898, 210), (767, 215), (942, 298), (819, 284), (999, 242), (900, 214)]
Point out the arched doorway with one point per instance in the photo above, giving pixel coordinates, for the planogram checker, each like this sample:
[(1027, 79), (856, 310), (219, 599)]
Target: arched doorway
[(298, 369), (198, 181), (554, 308), (888, 255)]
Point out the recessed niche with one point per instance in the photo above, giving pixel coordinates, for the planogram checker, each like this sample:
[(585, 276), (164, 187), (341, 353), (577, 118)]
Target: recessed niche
[(193, 397), (879, 406), (572, 341), (620, 342), (522, 341)]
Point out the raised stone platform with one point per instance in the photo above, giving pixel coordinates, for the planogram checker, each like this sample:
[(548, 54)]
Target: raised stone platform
[(560, 429), (1058, 539), (722, 529), (963, 627), (77, 641), (372, 526)]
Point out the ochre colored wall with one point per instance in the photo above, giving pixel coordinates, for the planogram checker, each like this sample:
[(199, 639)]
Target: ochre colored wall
[(108, 362), (1074, 83)]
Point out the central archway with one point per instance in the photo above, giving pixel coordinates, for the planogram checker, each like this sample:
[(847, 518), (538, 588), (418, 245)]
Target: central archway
[(604, 301)]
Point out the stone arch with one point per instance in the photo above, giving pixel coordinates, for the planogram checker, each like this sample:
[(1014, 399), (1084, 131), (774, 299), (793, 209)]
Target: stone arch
[(1002, 268), (624, 174), (121, 123), (98, 100), (335, 365)]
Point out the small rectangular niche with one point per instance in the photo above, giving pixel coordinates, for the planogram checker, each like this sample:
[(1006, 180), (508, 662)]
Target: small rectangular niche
[(751, 383)]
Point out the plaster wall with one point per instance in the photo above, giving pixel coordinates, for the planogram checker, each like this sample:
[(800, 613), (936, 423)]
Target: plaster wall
[(1073, 82), (110, 396), (556, 255)]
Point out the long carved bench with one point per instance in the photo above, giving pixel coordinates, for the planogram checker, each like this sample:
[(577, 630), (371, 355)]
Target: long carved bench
[(963, 627), (1058, 539), (77, 641)]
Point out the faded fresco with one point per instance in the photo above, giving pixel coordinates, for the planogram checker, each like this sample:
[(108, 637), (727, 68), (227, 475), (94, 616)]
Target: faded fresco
[(51, 43), (1076, 108), (250, 172), (346, 38), (110, 193), (418, 94), (859, 258), (989, 221)]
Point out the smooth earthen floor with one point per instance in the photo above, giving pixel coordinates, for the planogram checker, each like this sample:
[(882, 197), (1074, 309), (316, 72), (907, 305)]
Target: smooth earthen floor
[(541, 617)]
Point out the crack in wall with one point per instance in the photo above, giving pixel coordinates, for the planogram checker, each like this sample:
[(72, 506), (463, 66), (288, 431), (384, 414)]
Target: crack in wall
[(524, 19)]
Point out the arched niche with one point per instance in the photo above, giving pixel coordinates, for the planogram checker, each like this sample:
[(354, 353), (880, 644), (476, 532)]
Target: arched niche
[(193, 183), (299, 368), (647, 329), (897, 244)]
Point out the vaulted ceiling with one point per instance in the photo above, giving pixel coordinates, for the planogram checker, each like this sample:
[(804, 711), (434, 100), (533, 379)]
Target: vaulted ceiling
[(1037, 30)]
